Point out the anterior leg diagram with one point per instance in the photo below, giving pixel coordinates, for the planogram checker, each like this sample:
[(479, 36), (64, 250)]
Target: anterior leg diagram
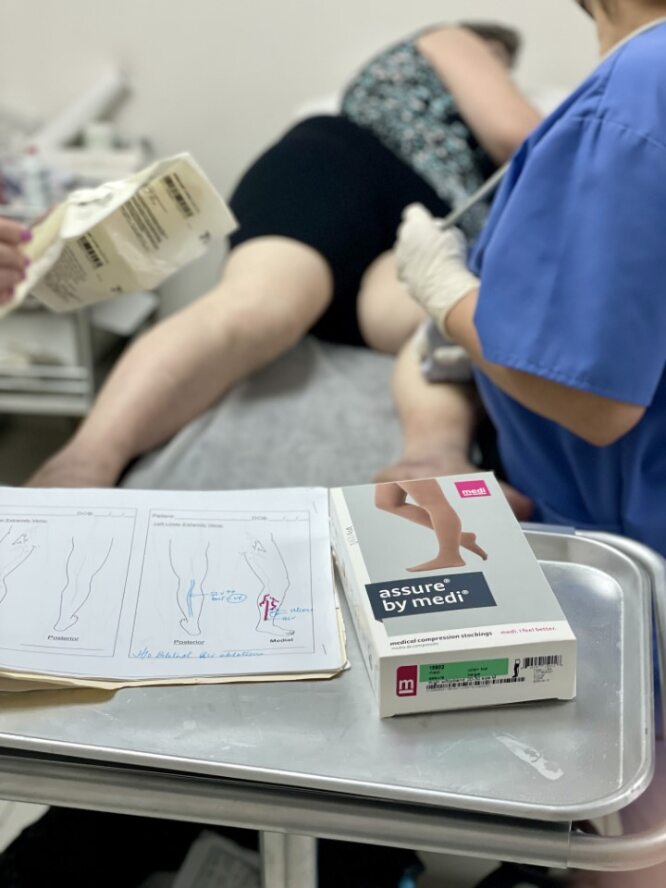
[(85, 560), (190, 567), (15, 548), (267, 564), (430, 509)]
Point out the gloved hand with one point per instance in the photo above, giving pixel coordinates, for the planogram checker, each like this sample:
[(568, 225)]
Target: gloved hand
[(440, 360), (432, 263)]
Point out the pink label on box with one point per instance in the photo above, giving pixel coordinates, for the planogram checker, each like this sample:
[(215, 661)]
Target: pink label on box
[(469, 489), (406, 681)]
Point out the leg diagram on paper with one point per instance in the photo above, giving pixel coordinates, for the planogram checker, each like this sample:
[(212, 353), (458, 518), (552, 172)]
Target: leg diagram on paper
[(15, 549), (267, 564), (85, 559), (190, 567)]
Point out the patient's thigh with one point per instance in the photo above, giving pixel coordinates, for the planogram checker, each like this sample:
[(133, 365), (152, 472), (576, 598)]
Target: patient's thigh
[(387, 316)]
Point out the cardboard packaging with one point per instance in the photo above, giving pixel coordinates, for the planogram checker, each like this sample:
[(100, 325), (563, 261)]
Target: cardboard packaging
[(451, 608), (122, 237)]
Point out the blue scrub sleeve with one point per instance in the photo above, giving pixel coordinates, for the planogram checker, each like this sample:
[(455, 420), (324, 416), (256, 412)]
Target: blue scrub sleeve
[(573, 279)]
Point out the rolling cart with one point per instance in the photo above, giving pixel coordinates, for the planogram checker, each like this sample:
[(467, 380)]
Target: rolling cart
[(298, 761)]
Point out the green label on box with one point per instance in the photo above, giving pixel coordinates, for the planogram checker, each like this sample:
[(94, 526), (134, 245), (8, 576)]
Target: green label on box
[(456, 671)]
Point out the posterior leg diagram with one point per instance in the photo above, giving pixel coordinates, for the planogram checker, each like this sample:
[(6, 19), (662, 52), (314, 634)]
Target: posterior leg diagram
[(15, 549), (85, 561), (190, 568), (266, 562)]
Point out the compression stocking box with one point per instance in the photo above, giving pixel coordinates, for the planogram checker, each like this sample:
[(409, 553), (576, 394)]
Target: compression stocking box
[(451, 608)]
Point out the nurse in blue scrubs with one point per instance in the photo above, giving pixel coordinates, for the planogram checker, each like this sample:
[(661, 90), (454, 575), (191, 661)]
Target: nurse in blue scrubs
[(563, 302), (562, 307)]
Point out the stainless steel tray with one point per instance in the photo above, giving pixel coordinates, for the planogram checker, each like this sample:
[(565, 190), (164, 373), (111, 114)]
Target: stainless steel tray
[(550, 761)]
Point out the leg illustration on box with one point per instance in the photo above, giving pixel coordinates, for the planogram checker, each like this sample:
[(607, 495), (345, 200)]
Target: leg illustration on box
[(430, 509)]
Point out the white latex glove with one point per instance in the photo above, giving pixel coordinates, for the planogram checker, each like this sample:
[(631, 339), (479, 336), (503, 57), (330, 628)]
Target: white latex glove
[(440, 360), (432, 263)]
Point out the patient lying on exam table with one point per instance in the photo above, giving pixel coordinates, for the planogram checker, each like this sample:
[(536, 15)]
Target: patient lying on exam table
[(318, 213)]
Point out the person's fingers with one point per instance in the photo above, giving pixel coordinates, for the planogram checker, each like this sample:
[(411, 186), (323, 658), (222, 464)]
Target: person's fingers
[(11, 258), (12, 233), (416, 212), (421, 237), (415, 219), (6, 296), (9, 278), (416, 245)]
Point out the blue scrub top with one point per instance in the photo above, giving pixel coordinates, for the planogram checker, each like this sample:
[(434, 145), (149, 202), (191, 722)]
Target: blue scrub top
[(573, 289)]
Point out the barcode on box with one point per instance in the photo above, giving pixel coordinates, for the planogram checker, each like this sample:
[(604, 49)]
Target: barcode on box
[(90, 251), (554, 660), (478, 683), (178, 197)]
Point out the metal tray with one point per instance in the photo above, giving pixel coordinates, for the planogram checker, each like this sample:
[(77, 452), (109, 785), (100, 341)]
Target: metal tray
[(549, 761)]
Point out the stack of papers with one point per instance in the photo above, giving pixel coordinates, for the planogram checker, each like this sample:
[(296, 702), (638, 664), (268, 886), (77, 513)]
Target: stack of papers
[(109, 588)]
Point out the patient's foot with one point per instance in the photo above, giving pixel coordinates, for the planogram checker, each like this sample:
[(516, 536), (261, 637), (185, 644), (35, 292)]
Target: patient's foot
[(468, 541)]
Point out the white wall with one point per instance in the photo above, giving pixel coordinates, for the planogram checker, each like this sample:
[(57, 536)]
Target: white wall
[(221, 77)]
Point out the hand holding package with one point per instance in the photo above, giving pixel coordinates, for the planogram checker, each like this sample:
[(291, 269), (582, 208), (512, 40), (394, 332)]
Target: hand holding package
[(123, 237)]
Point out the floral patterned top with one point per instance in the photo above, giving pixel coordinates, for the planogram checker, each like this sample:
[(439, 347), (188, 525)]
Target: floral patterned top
[(400, 98)]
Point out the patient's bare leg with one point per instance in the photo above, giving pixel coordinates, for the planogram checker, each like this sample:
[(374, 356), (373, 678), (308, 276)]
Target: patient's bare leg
[(387, 316), (272, 291), (437, 419), (86, 556)]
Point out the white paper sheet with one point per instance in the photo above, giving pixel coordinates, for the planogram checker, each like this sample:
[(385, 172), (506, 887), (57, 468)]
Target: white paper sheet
[(134, 585)]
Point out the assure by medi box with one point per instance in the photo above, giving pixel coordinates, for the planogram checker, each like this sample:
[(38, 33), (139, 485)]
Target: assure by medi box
[(451, 608)]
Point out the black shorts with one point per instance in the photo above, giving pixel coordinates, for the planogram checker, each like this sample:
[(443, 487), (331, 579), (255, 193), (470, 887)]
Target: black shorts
[(333, 186)]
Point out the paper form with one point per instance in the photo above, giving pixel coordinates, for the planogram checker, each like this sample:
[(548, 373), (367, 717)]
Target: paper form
[(134, 585)]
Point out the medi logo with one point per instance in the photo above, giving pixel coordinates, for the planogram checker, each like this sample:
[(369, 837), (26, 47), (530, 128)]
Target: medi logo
[(468, 489), (406, 681)]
